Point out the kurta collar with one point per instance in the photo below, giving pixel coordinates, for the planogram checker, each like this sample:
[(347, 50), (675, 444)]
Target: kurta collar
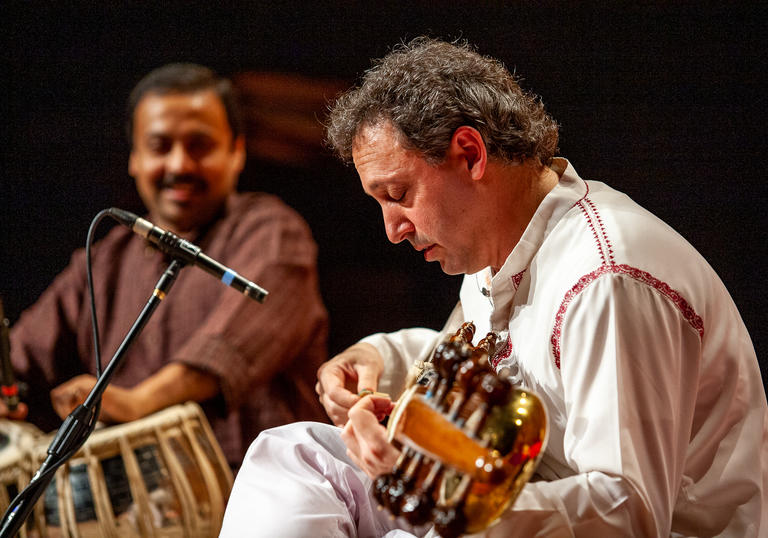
[(569, 190)]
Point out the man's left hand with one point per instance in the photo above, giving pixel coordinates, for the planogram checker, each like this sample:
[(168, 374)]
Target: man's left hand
[(366, 439)]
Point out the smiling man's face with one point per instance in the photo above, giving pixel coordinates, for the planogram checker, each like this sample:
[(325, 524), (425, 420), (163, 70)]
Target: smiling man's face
[(184, 159)]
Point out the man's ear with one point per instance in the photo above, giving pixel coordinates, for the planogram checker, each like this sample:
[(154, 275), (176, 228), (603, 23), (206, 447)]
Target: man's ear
[(467, 144), (238, 155), (132, 164)]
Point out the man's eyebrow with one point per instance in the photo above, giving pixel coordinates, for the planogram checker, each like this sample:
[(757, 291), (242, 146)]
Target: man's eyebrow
[(381, 185), (375, 186), (157, 132)]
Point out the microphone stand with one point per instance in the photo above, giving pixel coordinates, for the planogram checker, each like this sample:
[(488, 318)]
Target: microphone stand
[(76, 428)]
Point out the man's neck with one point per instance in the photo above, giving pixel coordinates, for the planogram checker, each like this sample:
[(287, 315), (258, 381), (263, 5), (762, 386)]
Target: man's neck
[(521, 189)]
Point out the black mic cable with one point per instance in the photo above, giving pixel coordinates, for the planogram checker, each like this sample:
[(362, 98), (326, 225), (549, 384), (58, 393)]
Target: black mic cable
[(184, 251)]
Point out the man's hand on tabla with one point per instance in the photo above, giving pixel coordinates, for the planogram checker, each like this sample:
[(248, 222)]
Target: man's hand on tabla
[(118, 404)]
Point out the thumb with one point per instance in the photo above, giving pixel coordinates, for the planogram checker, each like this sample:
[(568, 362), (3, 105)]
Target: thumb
[(367, 379)]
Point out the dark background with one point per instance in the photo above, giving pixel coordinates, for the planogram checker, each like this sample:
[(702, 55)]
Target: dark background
[(664, 102)]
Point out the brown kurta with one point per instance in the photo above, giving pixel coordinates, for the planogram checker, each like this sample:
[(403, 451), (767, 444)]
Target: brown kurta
[(265, 355)]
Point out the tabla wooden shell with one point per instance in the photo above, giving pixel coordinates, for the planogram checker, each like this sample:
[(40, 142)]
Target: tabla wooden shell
[(161, 476), (16, 442)]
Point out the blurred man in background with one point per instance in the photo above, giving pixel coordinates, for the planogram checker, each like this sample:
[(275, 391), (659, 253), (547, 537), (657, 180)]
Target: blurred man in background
[(251, 366)]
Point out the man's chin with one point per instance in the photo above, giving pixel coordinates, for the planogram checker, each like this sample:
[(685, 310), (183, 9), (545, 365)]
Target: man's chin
[(187, 217), (179, 218), (459, 267), (449, 269)]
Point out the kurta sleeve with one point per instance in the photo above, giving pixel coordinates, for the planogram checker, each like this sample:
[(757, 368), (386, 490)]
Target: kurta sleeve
[(245, 343), (400, 350), (44, 343), (629, 366)]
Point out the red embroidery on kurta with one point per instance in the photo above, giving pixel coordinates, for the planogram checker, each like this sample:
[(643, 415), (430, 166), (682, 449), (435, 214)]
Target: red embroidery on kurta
[(502, 354), (517, 278), (609, 266), (586, 193)]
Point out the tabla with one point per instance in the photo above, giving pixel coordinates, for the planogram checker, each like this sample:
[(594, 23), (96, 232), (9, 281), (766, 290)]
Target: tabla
[(16, 442), (161, 476)]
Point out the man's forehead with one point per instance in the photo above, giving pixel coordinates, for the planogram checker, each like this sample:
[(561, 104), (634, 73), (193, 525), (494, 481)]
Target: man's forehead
[(156, 109), (379, 133), (376, 143), (381, 161)]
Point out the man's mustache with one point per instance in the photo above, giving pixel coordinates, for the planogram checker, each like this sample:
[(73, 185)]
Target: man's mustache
[(171, 180)]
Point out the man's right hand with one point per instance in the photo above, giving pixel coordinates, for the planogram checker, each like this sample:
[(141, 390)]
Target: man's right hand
[(340, 380), (20, 413)]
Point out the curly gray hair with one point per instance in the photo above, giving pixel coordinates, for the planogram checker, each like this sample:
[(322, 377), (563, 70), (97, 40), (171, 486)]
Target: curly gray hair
[(428, 88)]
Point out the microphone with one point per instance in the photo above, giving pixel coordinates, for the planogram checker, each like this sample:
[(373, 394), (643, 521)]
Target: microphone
[(183, 250)]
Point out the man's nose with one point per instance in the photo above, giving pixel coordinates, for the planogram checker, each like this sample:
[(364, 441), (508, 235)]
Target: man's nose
[(179, 161), (397, 225)]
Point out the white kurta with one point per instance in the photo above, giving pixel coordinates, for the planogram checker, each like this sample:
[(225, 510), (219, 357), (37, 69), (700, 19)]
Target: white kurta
[(658, 416)]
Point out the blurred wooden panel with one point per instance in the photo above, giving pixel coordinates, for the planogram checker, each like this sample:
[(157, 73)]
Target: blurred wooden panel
[(284, 115)]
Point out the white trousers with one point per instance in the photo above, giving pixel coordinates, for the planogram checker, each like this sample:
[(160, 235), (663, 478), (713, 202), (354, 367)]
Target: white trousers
[(296, 481)]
